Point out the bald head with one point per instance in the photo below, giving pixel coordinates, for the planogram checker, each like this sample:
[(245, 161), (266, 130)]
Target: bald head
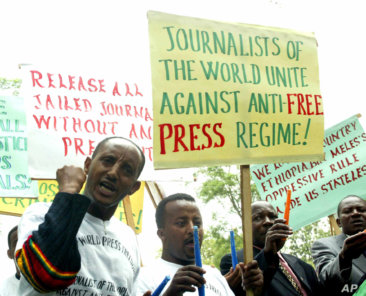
[(102, 143), (341, 203), (261, 204), (352, 214), (263, 217)]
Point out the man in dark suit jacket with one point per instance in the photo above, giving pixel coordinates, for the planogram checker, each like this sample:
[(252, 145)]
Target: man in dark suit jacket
[(340, 260), (269, 236)]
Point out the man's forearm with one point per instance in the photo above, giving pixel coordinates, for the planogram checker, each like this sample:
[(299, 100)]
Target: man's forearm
[(49, 258)]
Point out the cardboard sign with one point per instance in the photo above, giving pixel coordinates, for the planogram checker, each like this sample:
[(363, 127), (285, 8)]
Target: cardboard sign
[(318, 186), (227, 93), (69, 113), (14, 179)]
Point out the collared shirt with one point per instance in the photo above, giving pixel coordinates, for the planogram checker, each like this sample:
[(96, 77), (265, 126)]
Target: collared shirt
[(293, 275), (285, 264)]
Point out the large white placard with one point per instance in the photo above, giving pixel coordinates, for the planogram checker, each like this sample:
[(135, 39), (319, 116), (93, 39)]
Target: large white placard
[(68, 113)]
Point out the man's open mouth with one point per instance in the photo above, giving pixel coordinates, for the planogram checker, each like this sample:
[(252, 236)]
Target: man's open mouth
[(189, 242), (107, 187)]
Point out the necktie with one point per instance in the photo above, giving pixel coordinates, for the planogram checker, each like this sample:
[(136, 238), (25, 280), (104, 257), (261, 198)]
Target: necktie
[(284, 269)]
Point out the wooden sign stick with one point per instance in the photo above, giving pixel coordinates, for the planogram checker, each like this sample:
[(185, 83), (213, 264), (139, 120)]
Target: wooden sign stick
[(129, 216), (334, 228), (154, 192), (128, 212), (246, 219)]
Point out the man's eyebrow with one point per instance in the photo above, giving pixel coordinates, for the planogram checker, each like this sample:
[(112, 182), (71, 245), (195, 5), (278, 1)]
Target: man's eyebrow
[(107, 154), (181, 217)]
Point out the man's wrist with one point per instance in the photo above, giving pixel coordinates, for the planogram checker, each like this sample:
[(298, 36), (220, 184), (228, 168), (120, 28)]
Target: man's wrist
[(70, 189), (344, 261), (271, 257)]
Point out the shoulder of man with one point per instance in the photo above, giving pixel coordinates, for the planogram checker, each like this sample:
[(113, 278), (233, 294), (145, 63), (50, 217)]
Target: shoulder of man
[(330, 241), (33, 214), (36, 207), (225, 264), (331, 238)]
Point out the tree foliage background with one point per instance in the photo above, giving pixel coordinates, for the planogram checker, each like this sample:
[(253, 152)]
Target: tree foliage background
[(220, 190), (11, 85)]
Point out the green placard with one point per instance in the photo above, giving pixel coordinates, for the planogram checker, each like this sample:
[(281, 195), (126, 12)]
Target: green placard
[(14, 180), (317, 187)]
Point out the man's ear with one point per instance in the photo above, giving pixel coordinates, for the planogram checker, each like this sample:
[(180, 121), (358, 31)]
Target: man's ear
[(135, 187), (87, 163), (161, 234), (339, 222)]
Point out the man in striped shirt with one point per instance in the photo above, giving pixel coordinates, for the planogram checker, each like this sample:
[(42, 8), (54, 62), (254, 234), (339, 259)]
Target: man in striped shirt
[(74, 245)]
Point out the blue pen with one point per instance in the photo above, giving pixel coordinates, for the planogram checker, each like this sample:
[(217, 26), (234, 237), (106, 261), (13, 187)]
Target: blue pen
[(161, 286), (234, 259), (197, 256)]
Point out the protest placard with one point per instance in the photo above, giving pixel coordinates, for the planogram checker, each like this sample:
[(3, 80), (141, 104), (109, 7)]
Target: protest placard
[(318, 186), (47, 191), (227, 93), (14, 179), (69, 113)]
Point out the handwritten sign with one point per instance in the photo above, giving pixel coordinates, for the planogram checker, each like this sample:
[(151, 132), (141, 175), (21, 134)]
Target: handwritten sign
[(318, 186), (228, 93), (47, 191), (14, 180), (69, 113)]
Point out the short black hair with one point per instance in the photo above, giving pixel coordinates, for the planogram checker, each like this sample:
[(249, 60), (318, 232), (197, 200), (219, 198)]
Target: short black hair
[(15, 228), (160, 210), (351, 195), (101, 143)]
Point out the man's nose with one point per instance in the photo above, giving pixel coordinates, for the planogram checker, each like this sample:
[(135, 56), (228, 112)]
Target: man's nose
[(355, 212), (268, 220), (113, 171), (190, 227)]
